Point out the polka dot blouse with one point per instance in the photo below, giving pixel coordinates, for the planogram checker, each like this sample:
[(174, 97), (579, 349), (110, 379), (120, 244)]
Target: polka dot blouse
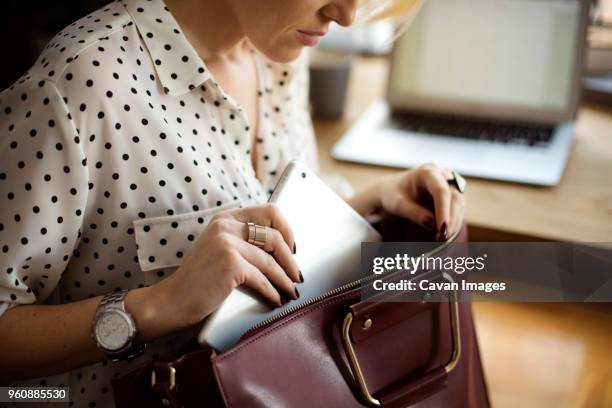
[(116, 149)]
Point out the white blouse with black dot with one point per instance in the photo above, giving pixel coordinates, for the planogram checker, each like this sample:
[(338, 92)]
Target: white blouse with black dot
[(116, 148)]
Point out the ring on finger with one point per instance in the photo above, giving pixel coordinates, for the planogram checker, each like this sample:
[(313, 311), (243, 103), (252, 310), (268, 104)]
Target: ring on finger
[(457, 181), (257, 235)]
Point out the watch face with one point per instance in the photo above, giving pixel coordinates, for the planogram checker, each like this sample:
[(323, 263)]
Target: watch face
[(113, 330)]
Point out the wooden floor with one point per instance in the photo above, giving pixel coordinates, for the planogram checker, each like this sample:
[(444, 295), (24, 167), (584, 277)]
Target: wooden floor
[(546, 355)]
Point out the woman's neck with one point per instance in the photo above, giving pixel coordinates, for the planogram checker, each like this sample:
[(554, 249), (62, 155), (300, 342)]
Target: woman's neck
[(210, 26)]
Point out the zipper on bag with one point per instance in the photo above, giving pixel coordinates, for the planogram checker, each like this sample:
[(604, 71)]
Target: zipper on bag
[(343, 288)]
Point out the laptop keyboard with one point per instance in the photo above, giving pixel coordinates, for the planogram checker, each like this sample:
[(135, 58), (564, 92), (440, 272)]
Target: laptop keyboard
[(530, 135)]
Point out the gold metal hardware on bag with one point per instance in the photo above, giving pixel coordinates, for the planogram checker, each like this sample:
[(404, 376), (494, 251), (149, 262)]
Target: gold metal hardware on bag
[(367, 323), (354, 363), (172, 371), (355, 368), (455, 326)]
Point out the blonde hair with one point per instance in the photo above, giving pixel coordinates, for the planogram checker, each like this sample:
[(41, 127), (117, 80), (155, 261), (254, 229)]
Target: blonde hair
[(401, 12), (377, 10)]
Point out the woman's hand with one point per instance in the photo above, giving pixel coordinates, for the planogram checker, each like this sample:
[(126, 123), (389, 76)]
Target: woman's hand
[(222, 259), (422, 195)]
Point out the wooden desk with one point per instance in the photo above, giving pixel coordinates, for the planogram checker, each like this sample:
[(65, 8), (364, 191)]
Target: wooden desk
[(578, 209)]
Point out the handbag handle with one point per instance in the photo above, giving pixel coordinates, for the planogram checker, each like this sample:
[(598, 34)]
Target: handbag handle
[(428, 380)]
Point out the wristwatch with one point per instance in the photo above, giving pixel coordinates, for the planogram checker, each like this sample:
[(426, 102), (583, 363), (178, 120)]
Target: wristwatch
[(114, 329)]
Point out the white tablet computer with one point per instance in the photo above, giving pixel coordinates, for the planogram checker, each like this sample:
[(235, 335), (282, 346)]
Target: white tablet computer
[(328, 233)]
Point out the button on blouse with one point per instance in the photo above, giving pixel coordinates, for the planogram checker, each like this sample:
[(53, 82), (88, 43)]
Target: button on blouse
[(116, 148)]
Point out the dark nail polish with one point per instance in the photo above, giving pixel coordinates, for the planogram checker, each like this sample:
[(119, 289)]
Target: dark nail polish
[(429, 223), (297, 293), (301, 277), (294, 247), (443, 232)]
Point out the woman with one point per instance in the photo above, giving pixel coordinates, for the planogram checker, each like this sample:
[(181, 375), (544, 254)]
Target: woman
[(133, 153)]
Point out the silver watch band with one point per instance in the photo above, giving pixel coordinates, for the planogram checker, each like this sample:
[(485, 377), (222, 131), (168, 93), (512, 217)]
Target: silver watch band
[(116, 300), (113, 297)]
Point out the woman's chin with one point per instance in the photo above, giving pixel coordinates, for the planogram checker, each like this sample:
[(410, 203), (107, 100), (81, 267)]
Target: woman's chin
[(282, 54)]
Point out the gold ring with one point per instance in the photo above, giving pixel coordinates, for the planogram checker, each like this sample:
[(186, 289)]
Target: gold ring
[(257, 235)]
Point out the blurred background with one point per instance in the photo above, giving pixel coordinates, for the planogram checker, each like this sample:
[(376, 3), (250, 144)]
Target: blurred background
[(27, 26), (534, 355)]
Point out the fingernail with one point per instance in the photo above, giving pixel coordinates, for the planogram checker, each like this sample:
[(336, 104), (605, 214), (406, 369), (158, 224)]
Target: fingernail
[(429, 223), (443, 232), (301, 277), (294, 247), (297, 293)]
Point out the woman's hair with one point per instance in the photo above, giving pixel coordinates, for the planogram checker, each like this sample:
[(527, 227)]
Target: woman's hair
[(401, 12), (376, 10)]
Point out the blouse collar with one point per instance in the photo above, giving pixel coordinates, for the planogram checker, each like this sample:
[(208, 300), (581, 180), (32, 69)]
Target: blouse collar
[(177, 64)]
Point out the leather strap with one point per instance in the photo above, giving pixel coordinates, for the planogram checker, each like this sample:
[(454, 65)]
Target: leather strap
[(385, 310), (194, 384), (407, 393)]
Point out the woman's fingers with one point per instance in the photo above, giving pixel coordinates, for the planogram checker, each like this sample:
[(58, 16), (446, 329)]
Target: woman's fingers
[(258, 282), (437, 186), (274, 262), (268, 266), (277, 247), (456, 213), (448, 201), (407, 208), (268, 215)]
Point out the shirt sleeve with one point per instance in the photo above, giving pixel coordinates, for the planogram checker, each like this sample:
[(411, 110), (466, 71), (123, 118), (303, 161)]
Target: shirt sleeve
[(306, 145), (43, 187)]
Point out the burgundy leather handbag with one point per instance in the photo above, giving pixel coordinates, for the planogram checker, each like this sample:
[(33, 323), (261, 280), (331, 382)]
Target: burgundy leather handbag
[(334, 351)]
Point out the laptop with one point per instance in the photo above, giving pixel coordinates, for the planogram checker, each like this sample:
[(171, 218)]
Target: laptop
[(489, 88)]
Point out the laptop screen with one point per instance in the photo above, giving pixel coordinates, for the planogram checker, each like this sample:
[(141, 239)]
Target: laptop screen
[(517, 58)]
